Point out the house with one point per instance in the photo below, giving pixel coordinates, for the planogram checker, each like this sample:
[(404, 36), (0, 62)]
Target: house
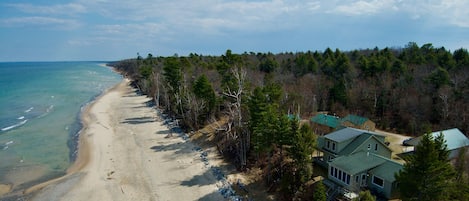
[(323, 123), (358, 122), (357, 159), (455, 140)]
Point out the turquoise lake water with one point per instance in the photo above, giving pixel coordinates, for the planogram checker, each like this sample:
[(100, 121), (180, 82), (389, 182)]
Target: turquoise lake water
[(40, 107)]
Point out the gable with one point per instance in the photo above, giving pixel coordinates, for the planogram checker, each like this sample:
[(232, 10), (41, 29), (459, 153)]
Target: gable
[(361, 143)]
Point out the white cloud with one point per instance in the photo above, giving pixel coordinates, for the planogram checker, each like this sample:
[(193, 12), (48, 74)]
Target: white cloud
[(366, 7), (58, 9), (455, 12), (37, 21), (205, 15)]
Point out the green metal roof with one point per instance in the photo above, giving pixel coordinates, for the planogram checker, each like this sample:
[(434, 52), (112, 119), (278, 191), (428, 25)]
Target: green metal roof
[(354, 119), (358, 162), (387, 170), (347, 133), (454, 138), (327, 120)]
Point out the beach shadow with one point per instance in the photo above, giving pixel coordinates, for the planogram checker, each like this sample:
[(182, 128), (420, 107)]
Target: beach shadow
[(169, 147), (179, 148), (138, 120), (214, 196), (163, 132), (200, 180), (138, 107)]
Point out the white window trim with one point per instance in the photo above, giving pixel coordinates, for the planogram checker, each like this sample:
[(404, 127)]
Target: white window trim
[(373, 181)]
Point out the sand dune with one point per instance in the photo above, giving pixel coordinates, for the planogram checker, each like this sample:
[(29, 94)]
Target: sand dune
[(124, 154)]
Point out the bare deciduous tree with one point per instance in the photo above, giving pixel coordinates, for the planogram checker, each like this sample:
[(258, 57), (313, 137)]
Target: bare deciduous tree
[(236, 128)]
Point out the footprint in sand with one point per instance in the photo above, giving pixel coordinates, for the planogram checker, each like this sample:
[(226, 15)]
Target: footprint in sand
[(109, 175)]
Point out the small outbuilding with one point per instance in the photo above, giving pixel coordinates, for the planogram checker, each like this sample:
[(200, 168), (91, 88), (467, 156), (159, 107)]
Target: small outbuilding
[(358, 122)]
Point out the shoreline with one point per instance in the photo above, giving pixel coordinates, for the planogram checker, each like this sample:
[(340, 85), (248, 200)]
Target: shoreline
[(82, 147), (123, 151), (8, 191)]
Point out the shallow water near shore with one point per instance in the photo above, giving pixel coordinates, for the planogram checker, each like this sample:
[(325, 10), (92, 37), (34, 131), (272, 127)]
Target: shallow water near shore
[(40, 105)]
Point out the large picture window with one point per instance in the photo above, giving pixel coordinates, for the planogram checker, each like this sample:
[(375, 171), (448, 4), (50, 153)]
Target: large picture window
[(378, 181)]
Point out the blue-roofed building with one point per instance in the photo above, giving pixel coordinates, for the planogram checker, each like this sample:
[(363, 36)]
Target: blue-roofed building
[(455, 140)]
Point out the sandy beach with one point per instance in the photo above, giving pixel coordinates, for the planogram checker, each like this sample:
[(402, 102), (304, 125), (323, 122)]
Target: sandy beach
[(125, 154)]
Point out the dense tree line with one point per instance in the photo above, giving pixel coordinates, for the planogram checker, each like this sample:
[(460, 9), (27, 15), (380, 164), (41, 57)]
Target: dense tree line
[(410, 89)]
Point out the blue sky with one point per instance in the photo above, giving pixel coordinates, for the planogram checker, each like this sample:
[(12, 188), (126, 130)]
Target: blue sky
[(51, 30)]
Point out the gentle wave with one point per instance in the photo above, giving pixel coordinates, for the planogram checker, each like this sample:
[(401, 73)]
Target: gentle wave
[(20, 118), (29, 110), (14, 126), (5, 147), (48, 110)]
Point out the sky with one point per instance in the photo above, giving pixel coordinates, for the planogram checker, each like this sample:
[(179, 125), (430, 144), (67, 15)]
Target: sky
[(108, 30)]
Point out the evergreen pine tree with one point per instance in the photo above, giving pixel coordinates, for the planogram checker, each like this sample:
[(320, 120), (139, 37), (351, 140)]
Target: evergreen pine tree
[(319, 192), (427, 174), (203, 89)]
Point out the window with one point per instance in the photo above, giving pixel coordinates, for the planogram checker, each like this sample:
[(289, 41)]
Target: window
[(378, 181), (333, 146), (344, 177), (357, 179), (340, 175), (328, 144), (376, 147), (369, 146)]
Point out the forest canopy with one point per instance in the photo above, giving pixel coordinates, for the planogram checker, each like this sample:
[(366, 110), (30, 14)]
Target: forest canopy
[(410, 89)]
